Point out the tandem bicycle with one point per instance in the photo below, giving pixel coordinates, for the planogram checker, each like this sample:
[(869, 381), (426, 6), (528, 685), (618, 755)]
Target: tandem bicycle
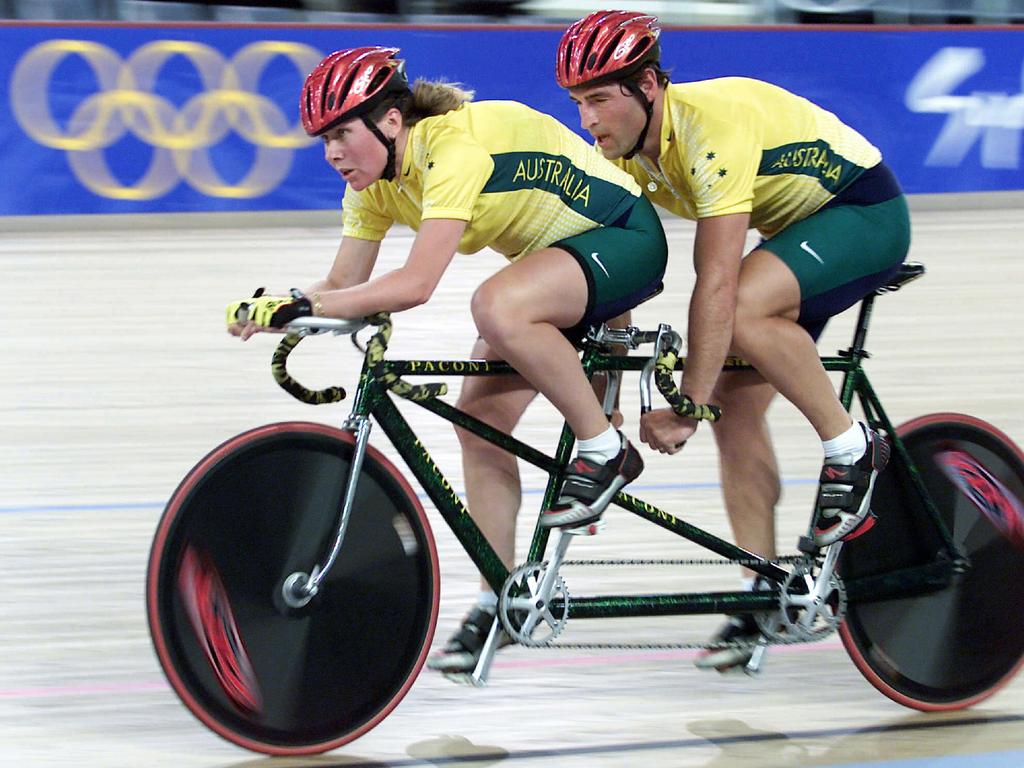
[(293, 580)]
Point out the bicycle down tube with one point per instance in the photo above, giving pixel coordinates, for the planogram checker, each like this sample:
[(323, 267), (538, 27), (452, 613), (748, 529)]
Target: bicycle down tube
[(453, 510), (373, 399)]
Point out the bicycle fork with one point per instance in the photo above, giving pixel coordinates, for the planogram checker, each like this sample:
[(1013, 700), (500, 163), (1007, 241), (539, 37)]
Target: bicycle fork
[(299, 588)]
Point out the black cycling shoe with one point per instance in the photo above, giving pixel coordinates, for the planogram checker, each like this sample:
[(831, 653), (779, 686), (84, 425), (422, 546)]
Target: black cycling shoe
[(463, 649), (589, 487), (844, 494), (737, 629)]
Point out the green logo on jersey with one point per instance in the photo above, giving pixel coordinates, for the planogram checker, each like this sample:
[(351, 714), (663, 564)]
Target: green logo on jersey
[(810, 158), (599, 200)]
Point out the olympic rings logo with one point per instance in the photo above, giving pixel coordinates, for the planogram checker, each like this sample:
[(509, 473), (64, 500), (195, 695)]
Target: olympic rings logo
[(181, 138)]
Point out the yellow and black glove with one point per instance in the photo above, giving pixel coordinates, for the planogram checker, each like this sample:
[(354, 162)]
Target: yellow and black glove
[(269, 311)]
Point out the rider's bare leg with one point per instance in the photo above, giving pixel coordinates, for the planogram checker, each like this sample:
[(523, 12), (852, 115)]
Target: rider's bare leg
[(766, 334), (493, 488), (494, 493), (519, 311), (750, 489), (747, 466)]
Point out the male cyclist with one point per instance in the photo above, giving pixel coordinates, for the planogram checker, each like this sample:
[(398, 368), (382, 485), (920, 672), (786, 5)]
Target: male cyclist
[(736, 153)]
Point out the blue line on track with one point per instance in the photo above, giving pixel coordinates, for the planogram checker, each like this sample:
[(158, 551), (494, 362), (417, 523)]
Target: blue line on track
[(141, 505), (82, 507), (1012, 759)]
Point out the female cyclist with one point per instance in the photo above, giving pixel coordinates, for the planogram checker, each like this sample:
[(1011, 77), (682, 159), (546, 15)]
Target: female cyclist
[(583, 244)]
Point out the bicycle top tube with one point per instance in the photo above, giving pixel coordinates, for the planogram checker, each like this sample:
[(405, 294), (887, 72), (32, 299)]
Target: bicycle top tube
[(659, 366)]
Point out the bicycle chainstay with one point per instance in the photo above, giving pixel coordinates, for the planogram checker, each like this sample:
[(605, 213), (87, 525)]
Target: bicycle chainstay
[(787, 560)]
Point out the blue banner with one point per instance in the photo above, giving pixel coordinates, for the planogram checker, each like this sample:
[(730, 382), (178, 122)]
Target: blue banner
[(131, 119)]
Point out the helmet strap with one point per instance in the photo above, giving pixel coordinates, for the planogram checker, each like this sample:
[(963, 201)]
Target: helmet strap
[(648, 106), (388, 174)]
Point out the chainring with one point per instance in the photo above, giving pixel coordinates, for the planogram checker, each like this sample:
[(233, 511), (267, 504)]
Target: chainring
[(800, 618), (528, 616)]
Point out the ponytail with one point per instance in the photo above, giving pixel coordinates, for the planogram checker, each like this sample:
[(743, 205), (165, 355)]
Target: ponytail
[(426, 99), (434, 98)]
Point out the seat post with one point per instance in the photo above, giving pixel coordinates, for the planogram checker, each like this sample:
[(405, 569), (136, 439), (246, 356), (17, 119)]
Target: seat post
[(856, 352), (907, 271), (860, 333)]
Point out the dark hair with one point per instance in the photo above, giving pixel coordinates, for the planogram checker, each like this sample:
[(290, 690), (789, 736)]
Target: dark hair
[(663, 76)]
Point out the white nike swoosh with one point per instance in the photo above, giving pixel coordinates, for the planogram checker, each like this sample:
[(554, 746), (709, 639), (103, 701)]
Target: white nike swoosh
[(810, 250), (598, 262)]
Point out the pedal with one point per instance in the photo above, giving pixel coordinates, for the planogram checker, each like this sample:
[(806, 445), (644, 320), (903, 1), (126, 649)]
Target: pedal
[(590, 529)]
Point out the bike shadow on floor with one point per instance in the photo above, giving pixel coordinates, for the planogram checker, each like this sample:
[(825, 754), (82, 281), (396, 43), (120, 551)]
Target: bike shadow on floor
[(914, 735), (443, 750)]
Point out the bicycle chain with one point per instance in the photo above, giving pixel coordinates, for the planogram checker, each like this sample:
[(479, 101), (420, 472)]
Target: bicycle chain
[(743, 644), (788, 560)]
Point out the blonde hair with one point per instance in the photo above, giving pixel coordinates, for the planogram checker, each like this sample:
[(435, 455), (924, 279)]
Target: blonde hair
[(426, 99), (434, 98)]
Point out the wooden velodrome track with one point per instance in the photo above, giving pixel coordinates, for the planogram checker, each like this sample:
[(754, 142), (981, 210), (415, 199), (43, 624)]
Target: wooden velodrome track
[(118, 376)]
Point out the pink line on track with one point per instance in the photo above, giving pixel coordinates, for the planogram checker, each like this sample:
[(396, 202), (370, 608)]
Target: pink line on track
[(95, 689), (86, 689), (666, 655)]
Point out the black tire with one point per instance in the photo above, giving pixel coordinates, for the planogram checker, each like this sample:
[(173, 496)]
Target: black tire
[(947, 649), (258, 508)]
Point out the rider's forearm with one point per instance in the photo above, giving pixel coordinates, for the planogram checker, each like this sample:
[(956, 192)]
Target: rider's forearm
[(392, 292), (709, 335), (404, 288), (717, 255)]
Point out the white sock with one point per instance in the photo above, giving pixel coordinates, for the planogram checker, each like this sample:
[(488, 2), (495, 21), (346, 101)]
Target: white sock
[(748, 583), (487, 600), (847, 447), (602, 448)]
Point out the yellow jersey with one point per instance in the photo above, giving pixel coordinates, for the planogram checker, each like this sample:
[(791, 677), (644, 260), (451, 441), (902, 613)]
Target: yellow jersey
[(738, 145), (518, 177)]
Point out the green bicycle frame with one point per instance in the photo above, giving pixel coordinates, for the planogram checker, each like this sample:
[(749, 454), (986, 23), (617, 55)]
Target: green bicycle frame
[(373, 400)]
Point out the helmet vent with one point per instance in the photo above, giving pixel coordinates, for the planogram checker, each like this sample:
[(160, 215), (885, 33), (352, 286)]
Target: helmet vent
[(568, 60), (609, 49), (378, 80), (343, 91), (587, 58), (323, 91)]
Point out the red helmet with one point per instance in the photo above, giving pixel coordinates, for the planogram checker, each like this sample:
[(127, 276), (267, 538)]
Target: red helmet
[(606, 45), (348, 84)]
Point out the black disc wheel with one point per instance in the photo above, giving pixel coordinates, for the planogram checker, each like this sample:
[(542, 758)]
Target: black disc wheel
[(272, 674), (951, 647)]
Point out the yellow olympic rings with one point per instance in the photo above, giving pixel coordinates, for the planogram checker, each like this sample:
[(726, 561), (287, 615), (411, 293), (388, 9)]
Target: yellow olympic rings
[(180, 136)]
